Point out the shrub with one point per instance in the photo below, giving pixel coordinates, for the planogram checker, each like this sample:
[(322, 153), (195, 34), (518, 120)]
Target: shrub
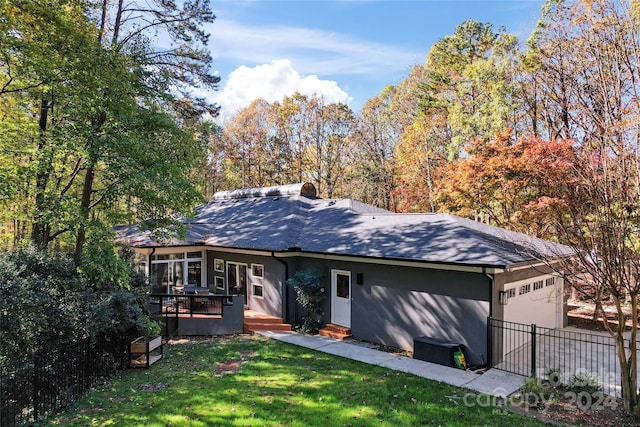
[(45, 304), (535, 386), (39, 302), (311, 296), (584, 382), (554, 376)]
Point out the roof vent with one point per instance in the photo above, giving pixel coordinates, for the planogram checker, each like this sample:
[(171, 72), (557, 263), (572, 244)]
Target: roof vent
[(302, 189)]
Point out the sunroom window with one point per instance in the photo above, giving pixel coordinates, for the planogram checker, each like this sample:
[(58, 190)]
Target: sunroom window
[(176, 270)]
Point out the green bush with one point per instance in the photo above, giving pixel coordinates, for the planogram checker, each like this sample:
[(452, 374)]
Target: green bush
[(554, 376), (535, 386), (311, 296), (46, 304), (584, 382), (39, 302)]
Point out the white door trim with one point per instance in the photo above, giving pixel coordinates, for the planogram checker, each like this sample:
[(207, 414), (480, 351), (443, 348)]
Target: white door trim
[(340, 305)]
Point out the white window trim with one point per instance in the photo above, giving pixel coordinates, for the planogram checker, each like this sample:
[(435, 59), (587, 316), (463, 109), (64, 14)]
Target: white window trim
[(257, 265), (184, 261), (253, 294), (215, 283)]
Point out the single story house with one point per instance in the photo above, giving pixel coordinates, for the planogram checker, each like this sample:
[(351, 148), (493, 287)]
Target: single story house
[(389, 277)]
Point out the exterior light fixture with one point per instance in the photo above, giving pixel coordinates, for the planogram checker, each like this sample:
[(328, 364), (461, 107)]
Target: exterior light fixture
[(503, 298)]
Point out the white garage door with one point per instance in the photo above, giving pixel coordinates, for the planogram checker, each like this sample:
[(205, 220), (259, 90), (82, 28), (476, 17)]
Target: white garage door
[(537, 300)]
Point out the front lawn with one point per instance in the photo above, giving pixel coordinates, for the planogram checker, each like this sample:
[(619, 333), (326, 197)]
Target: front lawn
[(253, 381)]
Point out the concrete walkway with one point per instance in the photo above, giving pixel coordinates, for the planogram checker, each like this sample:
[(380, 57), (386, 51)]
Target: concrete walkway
[(493, 382)]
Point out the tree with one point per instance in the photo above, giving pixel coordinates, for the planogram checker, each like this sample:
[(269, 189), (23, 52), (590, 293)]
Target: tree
[(117, 144), (329, 128), (291, 122), (509, 185), (372, 173), (587, 53), (247, 136), (466, 91), (469, 74)]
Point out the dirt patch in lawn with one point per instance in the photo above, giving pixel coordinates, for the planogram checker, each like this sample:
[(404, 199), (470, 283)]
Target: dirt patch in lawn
[(228, 367), (232, 366)]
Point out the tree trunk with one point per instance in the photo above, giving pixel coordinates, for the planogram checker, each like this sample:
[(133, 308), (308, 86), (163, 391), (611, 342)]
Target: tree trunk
[(87, 189), (628, 361), (40, 230)]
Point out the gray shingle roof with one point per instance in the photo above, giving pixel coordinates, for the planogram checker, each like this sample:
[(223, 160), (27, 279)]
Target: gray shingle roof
[(347, 227)]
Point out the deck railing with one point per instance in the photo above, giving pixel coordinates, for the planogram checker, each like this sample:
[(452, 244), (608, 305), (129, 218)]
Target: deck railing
[(188, 304), (213, 314)]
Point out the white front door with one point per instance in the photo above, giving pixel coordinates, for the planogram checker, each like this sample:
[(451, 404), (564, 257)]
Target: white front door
[(341, 298)]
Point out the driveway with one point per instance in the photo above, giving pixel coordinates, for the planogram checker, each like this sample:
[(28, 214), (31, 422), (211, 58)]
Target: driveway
[(572, 351)]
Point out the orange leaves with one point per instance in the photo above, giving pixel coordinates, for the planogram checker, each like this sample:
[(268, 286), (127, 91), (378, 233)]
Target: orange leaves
[(510, 185)]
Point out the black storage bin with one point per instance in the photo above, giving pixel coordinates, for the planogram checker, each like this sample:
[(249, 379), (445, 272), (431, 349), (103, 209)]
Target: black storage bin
[(435, 351)]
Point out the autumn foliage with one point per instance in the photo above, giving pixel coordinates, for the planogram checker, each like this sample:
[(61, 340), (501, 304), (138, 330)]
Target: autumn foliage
[(511, 185)]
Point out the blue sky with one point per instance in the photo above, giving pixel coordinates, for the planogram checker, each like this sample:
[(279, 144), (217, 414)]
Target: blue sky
[(347, 51)]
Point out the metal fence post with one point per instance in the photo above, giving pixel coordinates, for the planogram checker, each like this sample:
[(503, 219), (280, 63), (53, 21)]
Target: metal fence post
[(489, 343), (533, 349)]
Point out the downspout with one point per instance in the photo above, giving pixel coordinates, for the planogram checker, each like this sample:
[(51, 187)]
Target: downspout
[(285, 289), (490, 277), (491, 293)]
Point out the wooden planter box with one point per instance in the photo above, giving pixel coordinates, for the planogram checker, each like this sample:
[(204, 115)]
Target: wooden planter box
[(144, 352)]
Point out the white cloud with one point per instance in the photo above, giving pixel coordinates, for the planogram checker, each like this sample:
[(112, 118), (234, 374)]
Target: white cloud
[(272, 82)]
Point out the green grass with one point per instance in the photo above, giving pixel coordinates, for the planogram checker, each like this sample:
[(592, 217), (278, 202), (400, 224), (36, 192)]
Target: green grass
[(276, 384)]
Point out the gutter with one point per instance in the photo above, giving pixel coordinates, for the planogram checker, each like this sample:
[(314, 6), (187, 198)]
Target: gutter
[(491, 278)]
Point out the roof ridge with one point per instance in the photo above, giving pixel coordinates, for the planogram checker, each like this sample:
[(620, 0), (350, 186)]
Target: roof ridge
[(307, 212)]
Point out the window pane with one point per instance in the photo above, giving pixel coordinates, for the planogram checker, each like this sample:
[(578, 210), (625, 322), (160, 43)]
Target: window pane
[(257, 290), (243, 276), (159, 277), (232, 279), (194, 254), (342, 286), (194, 277), (257, 270), (178, 274), (169, 256)]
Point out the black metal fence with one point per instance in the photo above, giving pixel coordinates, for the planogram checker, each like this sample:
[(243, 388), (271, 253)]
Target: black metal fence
[(535, 351), (47, 383)]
